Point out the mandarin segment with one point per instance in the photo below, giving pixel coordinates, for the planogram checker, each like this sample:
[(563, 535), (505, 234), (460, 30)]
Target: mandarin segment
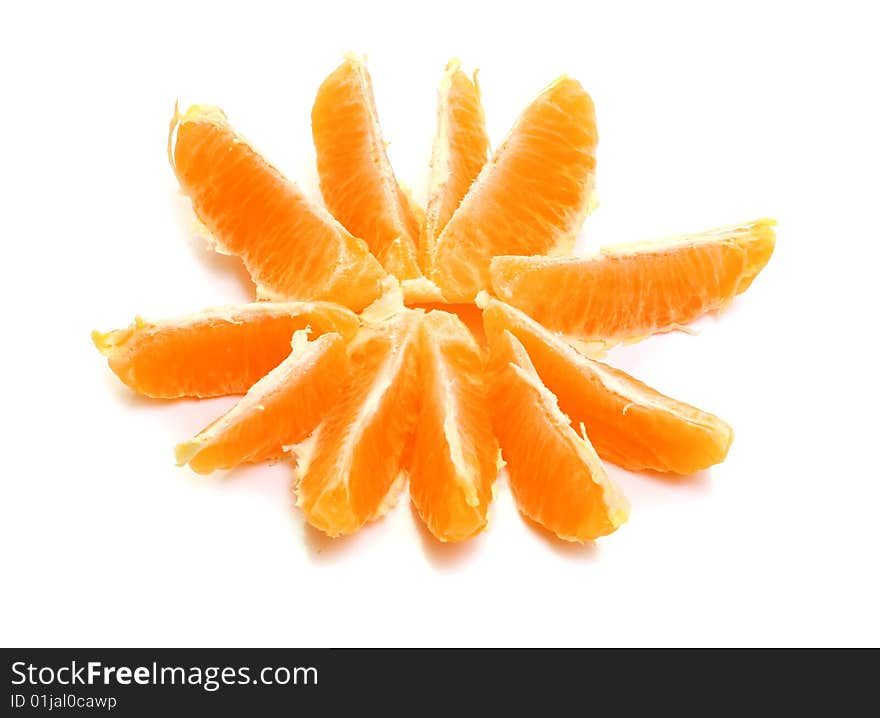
[(632, 291), (555, 475), (357, 180), (215, 352), (281, 409), (454, 457), (630, 424), (292, 248), (461, 148), (354, 470), (469, 314), (530, 198)]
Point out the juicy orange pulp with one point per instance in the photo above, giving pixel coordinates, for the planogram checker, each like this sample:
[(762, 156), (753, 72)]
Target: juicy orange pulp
[(530, 198), (215, 352), (281, 409), (461, 148), (631, 291), (291, 248), (629, 423), (555, 475), (353, 472), (455, 455), (357, 180)]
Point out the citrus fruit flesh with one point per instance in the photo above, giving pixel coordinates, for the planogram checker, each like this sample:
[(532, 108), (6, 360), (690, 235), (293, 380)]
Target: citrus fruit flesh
[(469, 314), (629, 423), (357, 180), (215, 352), (461, 148), (281, 409), (292, 248), (631, 291), (454, 458), (530, 198), (351, 471), (556, 477)]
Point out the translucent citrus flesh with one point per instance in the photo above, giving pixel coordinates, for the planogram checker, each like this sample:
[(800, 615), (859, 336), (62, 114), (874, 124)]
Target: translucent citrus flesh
[(629, 423), (461, 148), (357, 180), (219, 351), (469, 314), (281, 409), (632, 291), (555, 475), (454, 455), (354, 470), (292, 248), (530, 198)]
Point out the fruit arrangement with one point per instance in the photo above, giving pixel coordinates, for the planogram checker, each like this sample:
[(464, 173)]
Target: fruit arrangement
[(390, 343)]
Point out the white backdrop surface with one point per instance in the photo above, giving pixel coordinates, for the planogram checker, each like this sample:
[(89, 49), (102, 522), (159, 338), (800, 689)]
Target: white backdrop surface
[(707, 115)]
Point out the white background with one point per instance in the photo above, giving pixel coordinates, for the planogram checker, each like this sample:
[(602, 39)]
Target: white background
[(707, 115)]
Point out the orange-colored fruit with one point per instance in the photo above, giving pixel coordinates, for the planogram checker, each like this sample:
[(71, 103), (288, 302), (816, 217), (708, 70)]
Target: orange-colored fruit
[(455, 455), (530, 198), (215, 352), (470, 314), (461, 148), (631, 291), (281, 409), (357, 180), (555, 475), (353, 472), (629, 423), (292, 248)]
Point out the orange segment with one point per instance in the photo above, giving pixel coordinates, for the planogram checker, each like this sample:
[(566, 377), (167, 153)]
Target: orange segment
[(281, 409), (461, 148), (455, 454), (292, 248), (530, 198), (555, 475), (470, 314), (357, 181), (218, 351), (354, 472), (630, 423), (634, 290)]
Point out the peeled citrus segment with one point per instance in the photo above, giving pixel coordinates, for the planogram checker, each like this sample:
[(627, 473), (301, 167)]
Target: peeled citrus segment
[(470, 314), (530, 198), (555, 475), (357, 181), (398, 258), (353, 473), (292, 248), (630, 424), (461, 148), (455, 455), (631, 291), (215, 352), (281, 409)]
